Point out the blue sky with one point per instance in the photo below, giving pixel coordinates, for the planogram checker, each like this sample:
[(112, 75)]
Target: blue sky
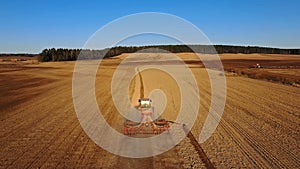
[(32, 25)]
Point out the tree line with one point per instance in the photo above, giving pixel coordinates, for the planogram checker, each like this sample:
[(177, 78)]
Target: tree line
[(72, 54), (17, 55)]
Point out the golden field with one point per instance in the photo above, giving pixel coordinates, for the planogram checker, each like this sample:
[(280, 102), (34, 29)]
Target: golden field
[(259, 127)]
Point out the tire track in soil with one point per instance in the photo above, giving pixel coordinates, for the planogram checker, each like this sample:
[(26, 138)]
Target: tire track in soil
[(141, 83)]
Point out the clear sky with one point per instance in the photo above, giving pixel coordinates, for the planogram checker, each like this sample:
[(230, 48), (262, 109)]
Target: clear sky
[(31, 25)]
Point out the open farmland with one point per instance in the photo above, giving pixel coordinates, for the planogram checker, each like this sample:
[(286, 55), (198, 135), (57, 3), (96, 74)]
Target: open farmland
[(277, 68), (259, 127)]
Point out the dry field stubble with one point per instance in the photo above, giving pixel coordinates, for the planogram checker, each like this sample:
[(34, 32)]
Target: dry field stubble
[(39, 127)]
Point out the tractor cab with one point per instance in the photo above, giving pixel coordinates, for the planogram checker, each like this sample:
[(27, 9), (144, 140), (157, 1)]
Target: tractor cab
[(145, 103)]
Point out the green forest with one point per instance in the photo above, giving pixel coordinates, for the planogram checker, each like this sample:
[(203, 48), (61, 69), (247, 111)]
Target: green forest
[(72, 54)]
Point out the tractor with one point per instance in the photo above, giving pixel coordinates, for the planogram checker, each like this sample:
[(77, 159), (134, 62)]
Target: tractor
[(146, 125)]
